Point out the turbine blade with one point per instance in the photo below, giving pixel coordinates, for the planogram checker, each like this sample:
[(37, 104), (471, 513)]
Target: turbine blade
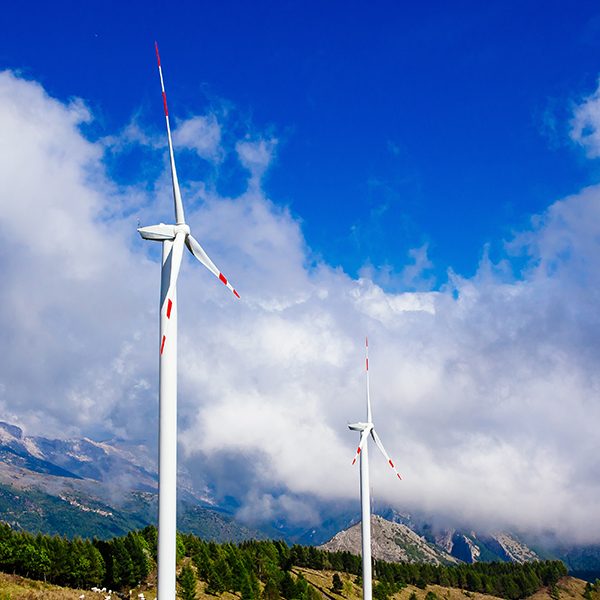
[(380, 446), (369, 412), (179, 216), (363, 438), (176, 256), (198, 251)]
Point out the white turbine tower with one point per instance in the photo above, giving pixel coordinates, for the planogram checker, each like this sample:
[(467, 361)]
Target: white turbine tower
[(365, 500), (173, 238)]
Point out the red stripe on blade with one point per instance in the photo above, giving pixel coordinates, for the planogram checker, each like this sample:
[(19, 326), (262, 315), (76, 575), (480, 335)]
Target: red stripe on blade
[(367, 361), (353, 461), (169, 307), (236, 294), (358, 451), (165, 103), (398, 475), (157, 54), (162, 345), (391, 464), (223, 278)]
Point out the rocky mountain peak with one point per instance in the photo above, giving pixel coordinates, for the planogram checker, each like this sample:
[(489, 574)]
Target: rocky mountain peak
[(393, 542)]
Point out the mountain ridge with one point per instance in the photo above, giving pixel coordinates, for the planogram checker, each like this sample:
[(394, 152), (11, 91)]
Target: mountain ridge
[(54, 483)]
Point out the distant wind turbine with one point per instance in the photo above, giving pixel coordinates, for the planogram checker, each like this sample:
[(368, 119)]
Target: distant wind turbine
[(173, 238), (365, 500)]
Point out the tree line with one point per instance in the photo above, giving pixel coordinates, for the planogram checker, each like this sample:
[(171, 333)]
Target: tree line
[(503, 579), (257, 570)]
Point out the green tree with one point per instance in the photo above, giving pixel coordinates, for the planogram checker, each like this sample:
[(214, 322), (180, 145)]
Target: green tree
[(248, 591), (187, 583), (214, 582), (139, 552), (271, 590), (336, 584), (381, 591), (202, 561), (287, 587)]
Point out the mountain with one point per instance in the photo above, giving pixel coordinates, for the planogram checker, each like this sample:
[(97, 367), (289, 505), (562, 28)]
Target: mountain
[(468, 546), (472, 547), (77, 459), (94, 489), (392, 542), (90, 488)]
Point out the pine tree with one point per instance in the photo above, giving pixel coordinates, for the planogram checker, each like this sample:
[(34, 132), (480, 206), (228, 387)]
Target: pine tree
[(247, 591), (336, 584), (287, 586), (271, 590), (187, 583), (214, 583)]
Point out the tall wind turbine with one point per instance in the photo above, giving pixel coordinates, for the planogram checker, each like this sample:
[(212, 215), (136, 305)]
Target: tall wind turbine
[(173, 238), (365, 499)]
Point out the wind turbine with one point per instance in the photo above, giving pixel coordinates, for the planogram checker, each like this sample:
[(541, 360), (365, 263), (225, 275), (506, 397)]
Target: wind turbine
[(173, 238), (365, 500)]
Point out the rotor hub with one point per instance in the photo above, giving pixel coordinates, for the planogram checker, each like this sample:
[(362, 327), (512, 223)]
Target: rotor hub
[(184, 227)]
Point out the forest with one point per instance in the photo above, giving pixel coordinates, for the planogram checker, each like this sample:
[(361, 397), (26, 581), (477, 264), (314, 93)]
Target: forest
[(257, 570)]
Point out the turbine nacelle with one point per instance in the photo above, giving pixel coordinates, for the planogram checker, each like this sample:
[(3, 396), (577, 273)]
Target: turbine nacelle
[(360, 426), (162, 232)]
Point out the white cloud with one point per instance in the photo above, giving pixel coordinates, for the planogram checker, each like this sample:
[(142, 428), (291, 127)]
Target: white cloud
[(585, 124), (201, 134), (484, 391), (256, 155)]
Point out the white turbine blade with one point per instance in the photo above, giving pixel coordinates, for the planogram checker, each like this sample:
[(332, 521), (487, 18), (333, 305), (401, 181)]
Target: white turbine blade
[(363, 438), (198, 251), (380, 446), (176, 256), (179, 216), (369, 413)]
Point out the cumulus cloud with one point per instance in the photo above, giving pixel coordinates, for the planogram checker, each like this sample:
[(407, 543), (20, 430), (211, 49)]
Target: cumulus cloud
[(585, 124), (485, 391)]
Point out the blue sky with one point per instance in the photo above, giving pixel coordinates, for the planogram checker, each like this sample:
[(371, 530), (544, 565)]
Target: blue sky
[(399, 124), (425, 175)]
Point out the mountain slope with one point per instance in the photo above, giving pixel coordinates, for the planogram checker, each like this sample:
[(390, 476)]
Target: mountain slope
[(392, 542), (91, 489)]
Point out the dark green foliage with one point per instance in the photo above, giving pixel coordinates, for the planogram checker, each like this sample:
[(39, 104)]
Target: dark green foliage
[(123, 562), (507, 580), (214, 583), (250, 589), (382, 590), (271, 590), (287, 586), (187, 583), (336, 584)]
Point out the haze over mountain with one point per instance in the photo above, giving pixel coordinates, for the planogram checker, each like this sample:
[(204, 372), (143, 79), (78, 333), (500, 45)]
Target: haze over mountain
[(94, 489), (100, 489)]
